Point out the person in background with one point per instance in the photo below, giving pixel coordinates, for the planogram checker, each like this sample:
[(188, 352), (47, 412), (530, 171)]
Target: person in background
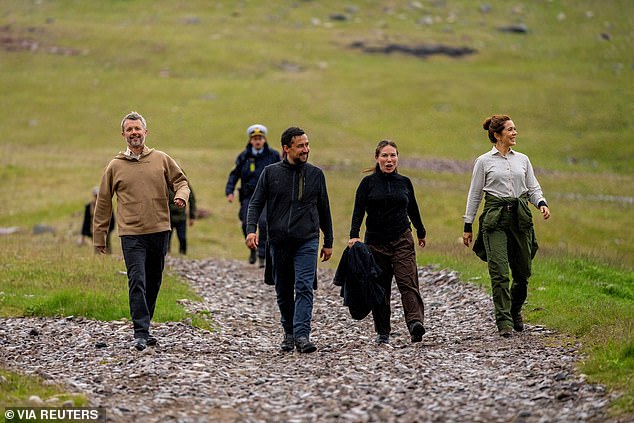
[(506, 238), (297, 207), (179, 221), (141, 178), (388, 199), (86, 226), (249, 166)]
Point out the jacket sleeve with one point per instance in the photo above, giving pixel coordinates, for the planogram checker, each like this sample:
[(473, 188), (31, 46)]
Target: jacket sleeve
[(325, 218), (176, 180), (358, 211), (234, 176), (257, 202), (413, 211), (87, 223), (103, 209), (192, 203)]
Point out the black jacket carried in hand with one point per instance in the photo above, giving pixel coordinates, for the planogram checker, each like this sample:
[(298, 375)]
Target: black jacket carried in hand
[(358, 274)]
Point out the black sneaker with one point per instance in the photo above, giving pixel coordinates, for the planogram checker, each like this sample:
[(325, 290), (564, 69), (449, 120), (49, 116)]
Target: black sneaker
[(140, 344), (518, 322), (417, 330), (262, 262), (382, 339), (252, 257), (304, 345), (288, 344)]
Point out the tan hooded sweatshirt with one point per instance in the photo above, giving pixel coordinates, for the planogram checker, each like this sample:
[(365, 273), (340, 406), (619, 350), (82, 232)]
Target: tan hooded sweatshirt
[(142, 193)]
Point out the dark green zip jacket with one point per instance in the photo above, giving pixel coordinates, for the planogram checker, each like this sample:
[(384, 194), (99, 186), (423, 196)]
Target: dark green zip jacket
[(296, 201), (490, 217)]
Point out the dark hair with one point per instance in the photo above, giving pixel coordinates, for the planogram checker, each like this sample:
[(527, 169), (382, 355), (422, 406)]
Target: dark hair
[(380, 146), (495, 124), (289, 134)]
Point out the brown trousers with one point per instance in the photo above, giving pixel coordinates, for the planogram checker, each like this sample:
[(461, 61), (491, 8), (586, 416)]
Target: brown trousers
[(398, 259)]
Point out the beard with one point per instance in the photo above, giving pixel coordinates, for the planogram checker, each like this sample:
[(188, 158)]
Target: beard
[(136, 141)]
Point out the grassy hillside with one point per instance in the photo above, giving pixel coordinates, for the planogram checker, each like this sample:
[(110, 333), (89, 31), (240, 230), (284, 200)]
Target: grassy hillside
[(202, 71)]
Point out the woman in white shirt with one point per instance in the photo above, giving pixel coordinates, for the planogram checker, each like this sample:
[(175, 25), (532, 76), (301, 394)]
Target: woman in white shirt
[(506, 239)]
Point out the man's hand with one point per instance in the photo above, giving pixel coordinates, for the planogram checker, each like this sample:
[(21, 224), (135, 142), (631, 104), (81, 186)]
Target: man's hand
[(252, 240), (180, 203), (325, 254), (230, 198), (421, 242), (545, 212)]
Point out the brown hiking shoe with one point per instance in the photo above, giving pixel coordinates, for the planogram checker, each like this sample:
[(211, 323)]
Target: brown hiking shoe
[(506, 332)]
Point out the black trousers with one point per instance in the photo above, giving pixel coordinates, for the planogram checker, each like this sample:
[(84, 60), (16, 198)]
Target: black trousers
[(144, 257), (181, 233)]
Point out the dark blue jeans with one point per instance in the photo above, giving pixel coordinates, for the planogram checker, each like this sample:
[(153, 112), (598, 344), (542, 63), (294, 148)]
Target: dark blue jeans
[(144, 260), (294, 270)]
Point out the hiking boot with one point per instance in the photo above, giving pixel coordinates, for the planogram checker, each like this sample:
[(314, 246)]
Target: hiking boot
[(506, 332), (416, 330), (151, 341), (252, 257), (304, 345), (140, 344), (518, 322), (262, 262), (288, 343), (382, 339)]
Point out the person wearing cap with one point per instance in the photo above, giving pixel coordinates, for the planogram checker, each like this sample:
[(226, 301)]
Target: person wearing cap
[(249, 165), (86, 226), (295, 196), (506, 237), (141, 178)]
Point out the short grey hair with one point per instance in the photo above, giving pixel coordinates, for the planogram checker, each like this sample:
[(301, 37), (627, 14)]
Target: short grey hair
[(133, 116)]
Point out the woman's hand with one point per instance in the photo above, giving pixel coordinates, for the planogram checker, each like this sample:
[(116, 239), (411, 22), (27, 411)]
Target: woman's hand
[(545, 212), (467, 237), (353, 241)]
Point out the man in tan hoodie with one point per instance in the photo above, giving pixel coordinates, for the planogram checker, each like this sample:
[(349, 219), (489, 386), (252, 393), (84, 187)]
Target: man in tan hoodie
[(141, 178)]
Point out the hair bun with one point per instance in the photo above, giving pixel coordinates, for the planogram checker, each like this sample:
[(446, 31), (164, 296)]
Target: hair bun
[(487, 124)]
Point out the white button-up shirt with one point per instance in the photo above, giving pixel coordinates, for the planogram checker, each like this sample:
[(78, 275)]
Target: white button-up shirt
[(502, 176)]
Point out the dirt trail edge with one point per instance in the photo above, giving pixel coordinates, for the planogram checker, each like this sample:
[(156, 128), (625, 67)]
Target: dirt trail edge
[(461, 372)]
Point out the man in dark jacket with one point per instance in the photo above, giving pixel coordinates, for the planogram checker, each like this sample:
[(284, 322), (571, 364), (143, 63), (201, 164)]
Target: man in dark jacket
[(297, 207), (249, 165), (179, 221)]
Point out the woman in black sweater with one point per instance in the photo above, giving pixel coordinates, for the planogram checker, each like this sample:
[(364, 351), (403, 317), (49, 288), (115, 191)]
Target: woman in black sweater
[(389, 201)]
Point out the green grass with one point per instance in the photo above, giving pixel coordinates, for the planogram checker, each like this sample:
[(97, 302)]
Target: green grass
[(49, 275), (16, 391), (201, 72)]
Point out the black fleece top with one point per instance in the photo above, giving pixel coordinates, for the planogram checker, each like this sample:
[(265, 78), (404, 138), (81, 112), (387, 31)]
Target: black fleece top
[(296, 201), (388, 199)]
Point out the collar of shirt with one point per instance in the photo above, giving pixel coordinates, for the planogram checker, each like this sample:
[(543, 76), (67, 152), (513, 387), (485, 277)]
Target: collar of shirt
[(129, 153), (495, 151)]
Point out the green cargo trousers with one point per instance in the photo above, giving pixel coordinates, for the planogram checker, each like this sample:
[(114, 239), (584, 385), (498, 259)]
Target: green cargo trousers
[(507, 246)]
